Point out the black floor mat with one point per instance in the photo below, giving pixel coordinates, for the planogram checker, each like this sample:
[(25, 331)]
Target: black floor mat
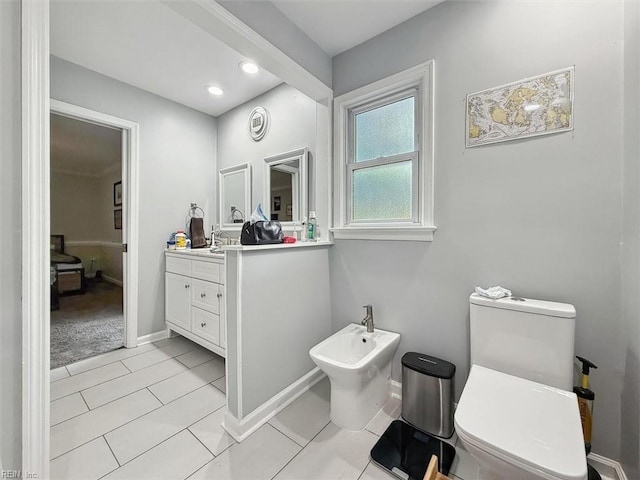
[(405, 451)]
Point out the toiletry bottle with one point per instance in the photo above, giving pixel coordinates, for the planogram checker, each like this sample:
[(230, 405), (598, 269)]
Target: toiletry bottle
[(296, 232), (303, 232), (181, 240), (311, 227), (585, 402)]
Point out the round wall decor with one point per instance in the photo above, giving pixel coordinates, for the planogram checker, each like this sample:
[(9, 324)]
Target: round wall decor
[(258, 123)]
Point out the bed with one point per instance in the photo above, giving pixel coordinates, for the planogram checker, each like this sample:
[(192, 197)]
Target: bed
[(69, 270)]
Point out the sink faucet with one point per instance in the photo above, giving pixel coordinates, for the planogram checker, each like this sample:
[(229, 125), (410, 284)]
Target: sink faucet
[(368, 320)]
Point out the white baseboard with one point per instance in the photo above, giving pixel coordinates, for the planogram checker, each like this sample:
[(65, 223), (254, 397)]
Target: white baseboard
[(395, 389), (606, 466), (241, 429), (109, 279), (152, 337)]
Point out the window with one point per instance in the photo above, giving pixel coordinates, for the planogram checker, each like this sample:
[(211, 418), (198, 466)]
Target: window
[(384, 159)]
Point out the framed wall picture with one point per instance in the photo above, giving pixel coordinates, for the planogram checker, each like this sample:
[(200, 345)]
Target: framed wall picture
[(530, 107), (276, 204), (117, 219), (117, 194)]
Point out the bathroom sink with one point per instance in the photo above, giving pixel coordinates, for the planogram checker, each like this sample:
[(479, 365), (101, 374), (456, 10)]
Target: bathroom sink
[(354, 349)]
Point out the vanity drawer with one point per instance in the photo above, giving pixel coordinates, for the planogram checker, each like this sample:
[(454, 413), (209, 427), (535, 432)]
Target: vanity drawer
[(206, 325), (206, 271), (205, 295), (181, 266)]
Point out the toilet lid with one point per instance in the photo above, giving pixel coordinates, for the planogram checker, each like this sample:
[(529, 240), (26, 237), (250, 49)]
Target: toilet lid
[(527, 423)]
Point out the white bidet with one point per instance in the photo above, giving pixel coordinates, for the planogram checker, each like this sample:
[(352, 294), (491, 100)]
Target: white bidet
[(358, 365)]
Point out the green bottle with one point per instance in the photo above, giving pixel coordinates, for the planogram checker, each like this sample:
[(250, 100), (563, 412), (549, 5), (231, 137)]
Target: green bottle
[(311, 227)]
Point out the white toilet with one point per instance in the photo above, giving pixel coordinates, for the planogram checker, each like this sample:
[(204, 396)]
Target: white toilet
[(517, 415)]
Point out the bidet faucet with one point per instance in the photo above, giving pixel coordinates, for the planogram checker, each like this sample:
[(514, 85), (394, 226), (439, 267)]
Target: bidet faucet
[(368, 320)]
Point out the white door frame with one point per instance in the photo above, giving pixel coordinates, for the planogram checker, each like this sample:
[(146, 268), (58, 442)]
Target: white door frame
[(130, 168), (35, 245)]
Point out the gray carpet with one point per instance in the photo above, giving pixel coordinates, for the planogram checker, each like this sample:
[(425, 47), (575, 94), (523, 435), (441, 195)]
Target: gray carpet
[(87, 325)]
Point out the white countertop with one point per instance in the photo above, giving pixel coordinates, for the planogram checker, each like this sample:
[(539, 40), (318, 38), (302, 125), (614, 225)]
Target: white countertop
[(197, 252), (277, 246), (206, 252)]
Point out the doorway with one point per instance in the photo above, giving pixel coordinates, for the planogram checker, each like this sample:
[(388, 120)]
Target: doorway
[(99, 299), (86, 240)]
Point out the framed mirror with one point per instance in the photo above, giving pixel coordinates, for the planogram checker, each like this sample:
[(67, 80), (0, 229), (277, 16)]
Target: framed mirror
[(286, 186), (234, 196)]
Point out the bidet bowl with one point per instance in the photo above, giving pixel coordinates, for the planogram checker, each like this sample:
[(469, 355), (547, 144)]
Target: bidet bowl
[(352, 348), (358, 365)]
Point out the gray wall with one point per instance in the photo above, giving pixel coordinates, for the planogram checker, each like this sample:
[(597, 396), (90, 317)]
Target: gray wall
[(292, 126), (76, 209), (630, 401), (177, 166), (10, 218), (279, 288), (82, 210), (541, 216)]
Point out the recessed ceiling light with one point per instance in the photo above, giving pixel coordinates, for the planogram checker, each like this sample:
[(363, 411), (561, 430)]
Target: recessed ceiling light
[(248, 67), (213, 90)]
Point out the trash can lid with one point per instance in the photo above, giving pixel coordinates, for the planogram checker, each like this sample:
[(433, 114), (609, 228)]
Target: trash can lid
[(428, 365)]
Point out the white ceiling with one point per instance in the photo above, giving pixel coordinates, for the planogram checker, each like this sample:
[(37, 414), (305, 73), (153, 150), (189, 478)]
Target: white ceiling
[(338, 25), (82, 148), (150, 46)]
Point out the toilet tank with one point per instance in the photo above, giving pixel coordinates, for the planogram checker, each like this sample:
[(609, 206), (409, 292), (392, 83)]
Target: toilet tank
[(531, 339)]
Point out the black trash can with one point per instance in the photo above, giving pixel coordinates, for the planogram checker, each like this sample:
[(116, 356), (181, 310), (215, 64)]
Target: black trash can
[(427, 393)]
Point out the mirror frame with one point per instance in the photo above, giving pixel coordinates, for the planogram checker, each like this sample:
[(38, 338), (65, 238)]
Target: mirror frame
[(224, 172), (302, 155)]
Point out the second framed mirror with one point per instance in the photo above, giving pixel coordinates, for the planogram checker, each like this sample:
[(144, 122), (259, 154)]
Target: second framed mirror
[(234, 199), (286, 186)]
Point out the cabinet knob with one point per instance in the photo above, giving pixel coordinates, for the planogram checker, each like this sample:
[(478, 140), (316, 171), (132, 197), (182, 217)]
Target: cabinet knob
[(203, 325), (186, 286), (219, 295), (202, 295)]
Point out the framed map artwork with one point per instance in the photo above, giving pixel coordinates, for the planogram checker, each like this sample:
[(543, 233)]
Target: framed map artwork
[(526, 108)]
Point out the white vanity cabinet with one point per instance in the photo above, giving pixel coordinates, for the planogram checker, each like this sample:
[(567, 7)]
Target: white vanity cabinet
[(194, 298)]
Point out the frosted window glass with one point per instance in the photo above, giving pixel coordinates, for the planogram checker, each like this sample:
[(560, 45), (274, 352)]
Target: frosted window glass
[(385, 131), (382, 192)]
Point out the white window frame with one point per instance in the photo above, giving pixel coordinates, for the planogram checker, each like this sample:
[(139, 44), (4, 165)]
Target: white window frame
[(422, 227)]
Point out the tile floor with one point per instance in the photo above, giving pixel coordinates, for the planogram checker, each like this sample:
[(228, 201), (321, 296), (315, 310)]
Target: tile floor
[(154, 412)]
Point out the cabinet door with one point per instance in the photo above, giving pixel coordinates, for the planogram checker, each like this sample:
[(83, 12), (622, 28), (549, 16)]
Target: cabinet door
[(205, 295), (206, 325), (177, 299)]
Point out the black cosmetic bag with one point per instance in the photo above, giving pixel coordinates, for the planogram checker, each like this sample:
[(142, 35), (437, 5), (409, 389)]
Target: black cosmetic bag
[(261, 233)]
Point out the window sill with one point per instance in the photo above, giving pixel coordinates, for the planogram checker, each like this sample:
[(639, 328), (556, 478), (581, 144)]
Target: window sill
[(406, 234)]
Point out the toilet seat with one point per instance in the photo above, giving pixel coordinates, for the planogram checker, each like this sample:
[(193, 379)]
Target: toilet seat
[(527, 424)]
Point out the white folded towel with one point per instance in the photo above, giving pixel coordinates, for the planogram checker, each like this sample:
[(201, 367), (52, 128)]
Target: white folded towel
[(493, 292)]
